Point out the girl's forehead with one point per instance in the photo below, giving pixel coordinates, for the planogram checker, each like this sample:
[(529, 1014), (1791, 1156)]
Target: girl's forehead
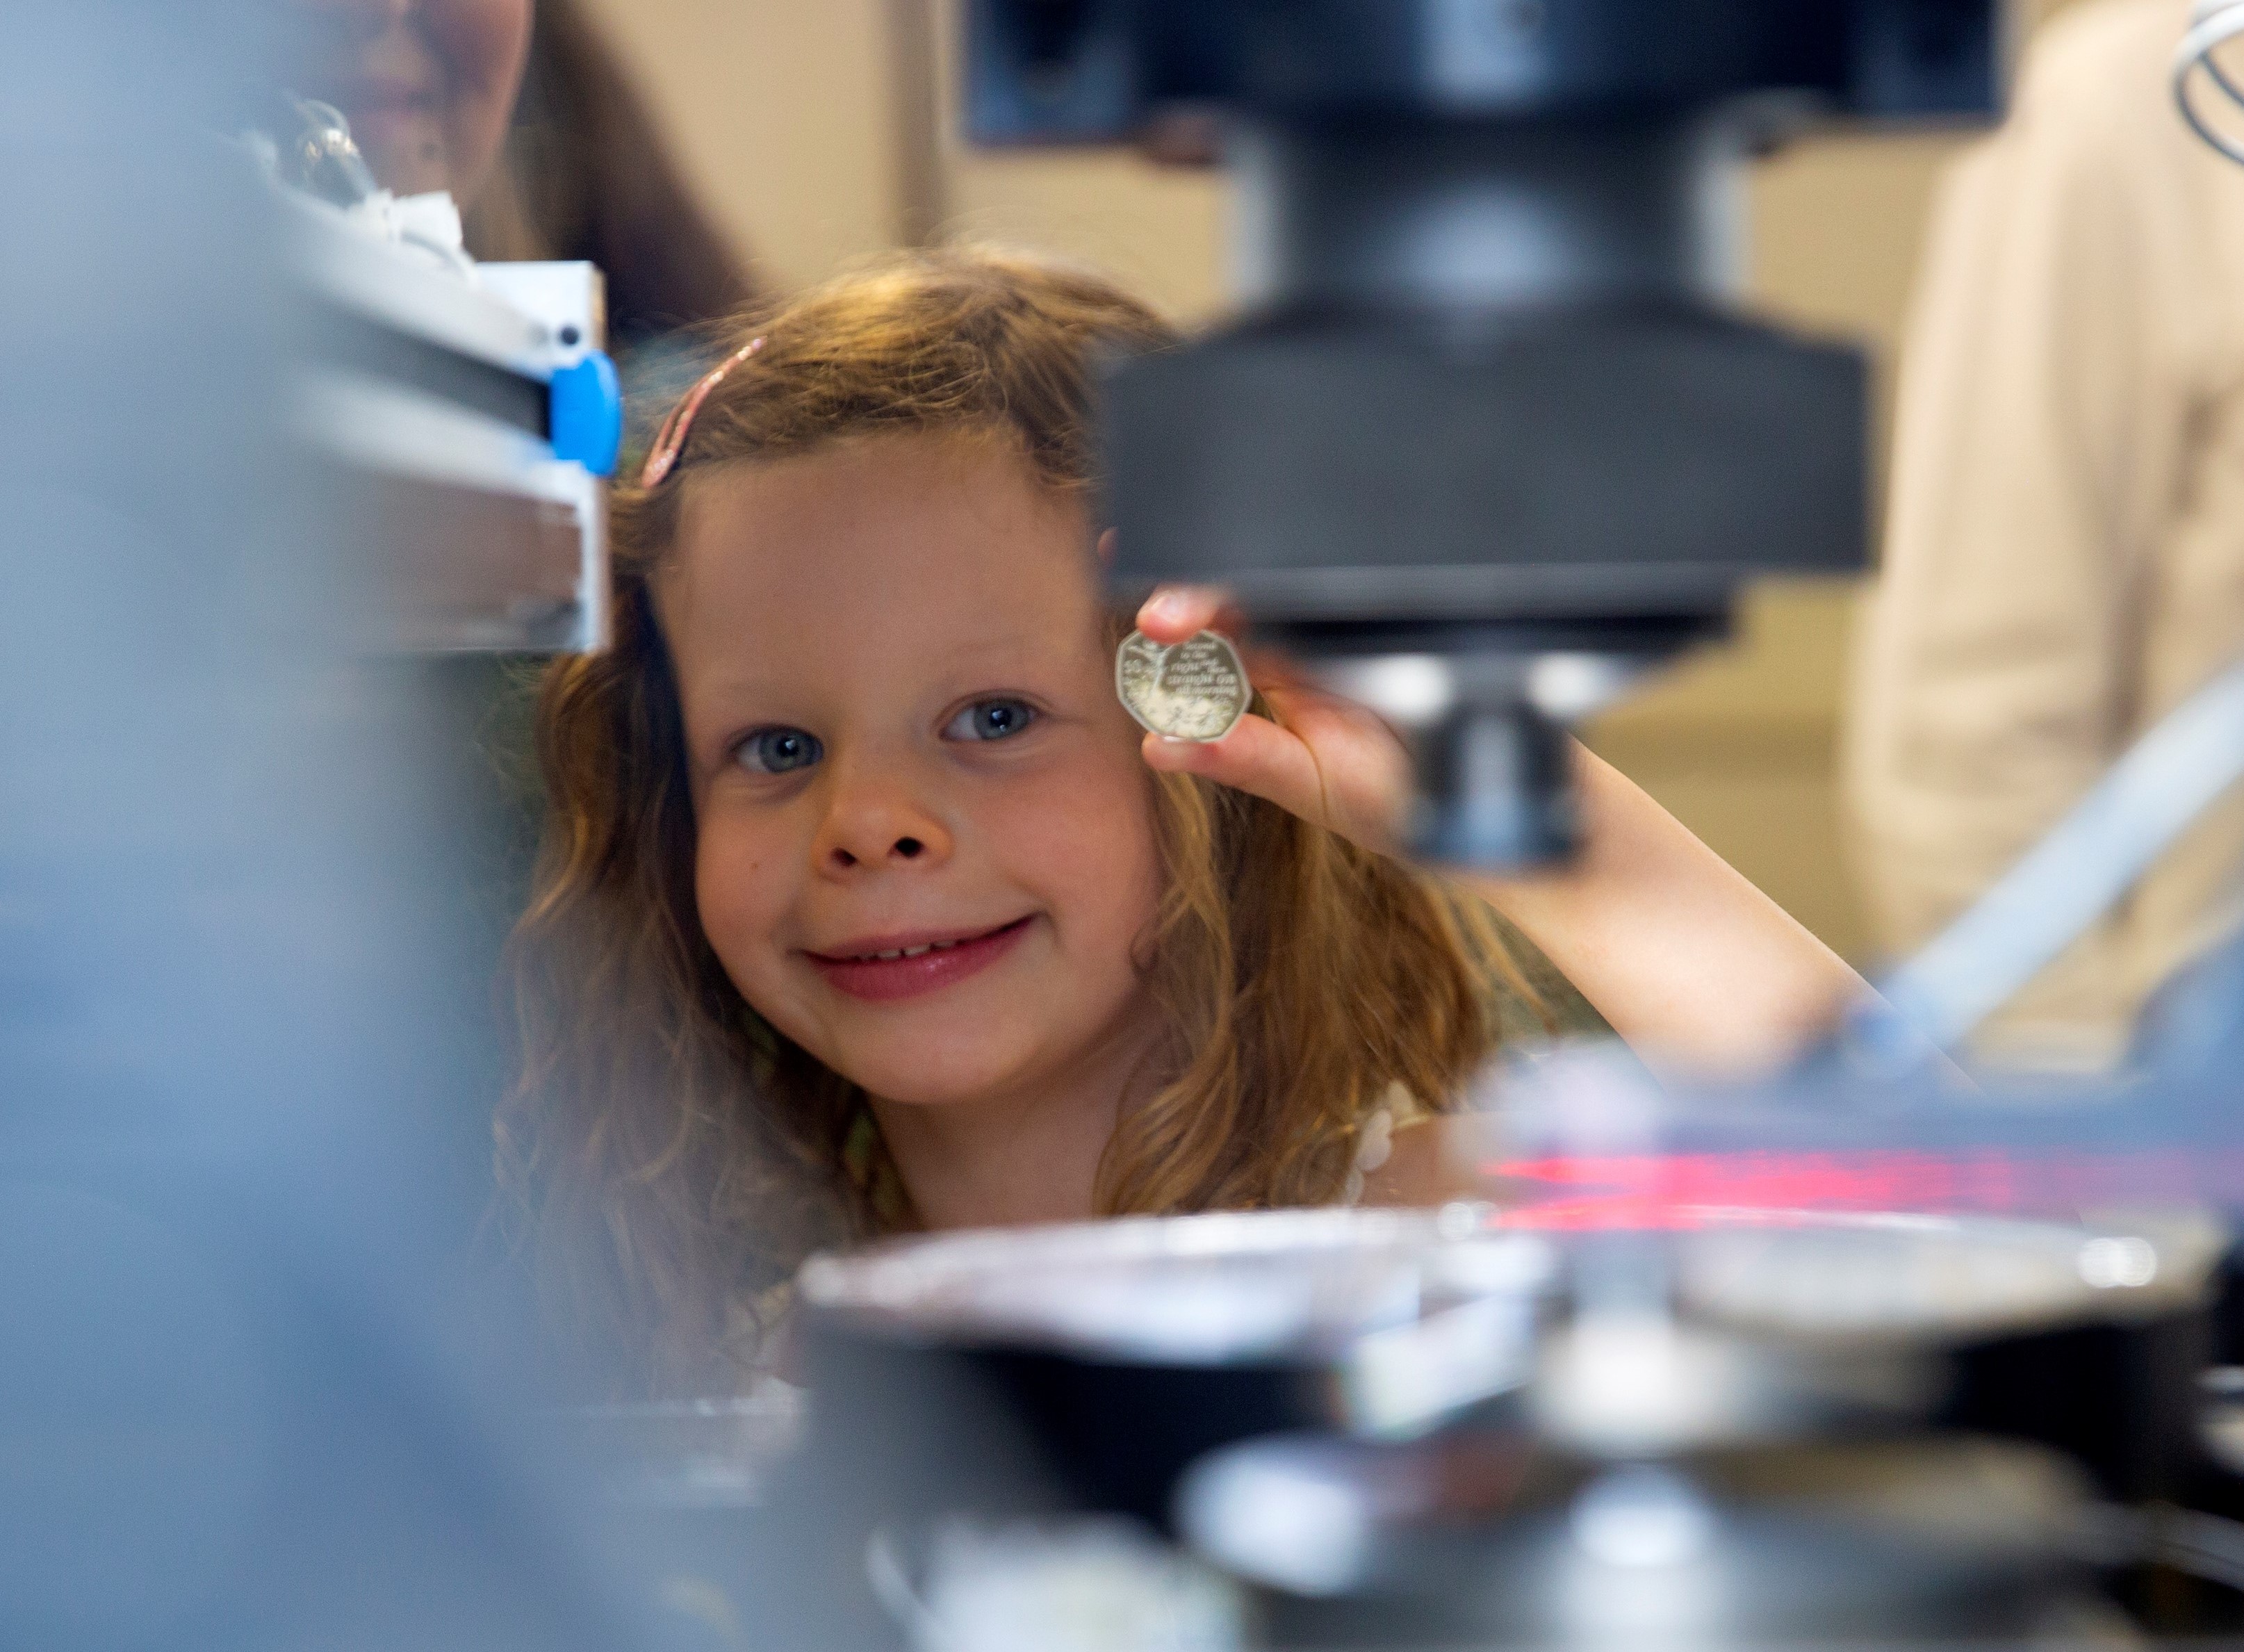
[(953, 531), (963, 500)]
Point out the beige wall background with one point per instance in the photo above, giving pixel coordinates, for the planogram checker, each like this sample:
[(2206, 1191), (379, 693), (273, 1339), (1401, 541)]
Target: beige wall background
[(818, 130)]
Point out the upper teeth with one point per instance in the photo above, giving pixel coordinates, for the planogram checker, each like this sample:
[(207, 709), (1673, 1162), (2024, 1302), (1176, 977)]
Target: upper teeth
[(914, 951)]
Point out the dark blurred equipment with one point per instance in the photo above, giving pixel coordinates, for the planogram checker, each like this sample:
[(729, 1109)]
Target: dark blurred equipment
[(1691, 1427), (1492, 434), (1849, 1357), (1469, 1541)]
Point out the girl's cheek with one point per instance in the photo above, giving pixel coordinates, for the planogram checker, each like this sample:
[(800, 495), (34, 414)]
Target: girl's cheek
[(733, 888), (1103, 834)]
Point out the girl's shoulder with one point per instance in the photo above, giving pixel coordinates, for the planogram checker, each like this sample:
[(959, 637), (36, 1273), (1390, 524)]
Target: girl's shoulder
[(1417, 1172), (1550, 1007), (1399, 1157)]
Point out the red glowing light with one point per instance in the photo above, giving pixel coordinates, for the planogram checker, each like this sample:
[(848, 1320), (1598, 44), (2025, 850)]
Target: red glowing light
[(1690, 1189)]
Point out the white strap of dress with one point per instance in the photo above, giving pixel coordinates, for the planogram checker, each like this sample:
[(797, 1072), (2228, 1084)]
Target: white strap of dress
[(1375, 1139)]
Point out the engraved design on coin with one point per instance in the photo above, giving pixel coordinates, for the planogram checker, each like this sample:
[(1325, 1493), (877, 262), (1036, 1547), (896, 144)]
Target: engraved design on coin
[(1196, 689)]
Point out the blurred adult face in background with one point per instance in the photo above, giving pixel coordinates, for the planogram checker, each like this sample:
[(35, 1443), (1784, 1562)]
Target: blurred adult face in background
[(427, 85)]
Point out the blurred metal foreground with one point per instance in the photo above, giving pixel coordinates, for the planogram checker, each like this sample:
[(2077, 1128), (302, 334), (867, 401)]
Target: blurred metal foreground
[(1730, 1427), (235, 1402), (1859, 1356), (1855, 1357)]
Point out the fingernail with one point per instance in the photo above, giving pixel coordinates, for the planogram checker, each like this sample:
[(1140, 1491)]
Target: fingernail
[(1166, 608)]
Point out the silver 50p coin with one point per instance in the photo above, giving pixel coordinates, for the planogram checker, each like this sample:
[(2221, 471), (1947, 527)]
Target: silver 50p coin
[(1196, 689)]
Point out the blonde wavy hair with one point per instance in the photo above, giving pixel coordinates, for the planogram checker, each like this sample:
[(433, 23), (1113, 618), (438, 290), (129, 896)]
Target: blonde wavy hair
[(680, 1152)]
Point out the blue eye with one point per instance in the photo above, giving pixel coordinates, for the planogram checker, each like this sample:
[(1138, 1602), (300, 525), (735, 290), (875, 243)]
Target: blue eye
[(991, 720), (778, 751)]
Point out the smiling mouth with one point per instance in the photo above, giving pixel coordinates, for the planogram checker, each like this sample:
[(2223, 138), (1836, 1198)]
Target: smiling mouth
[(902, 952), (882, 974)]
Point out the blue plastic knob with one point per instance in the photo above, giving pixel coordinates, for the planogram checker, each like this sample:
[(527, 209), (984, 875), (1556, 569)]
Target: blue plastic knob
[(588, 413)]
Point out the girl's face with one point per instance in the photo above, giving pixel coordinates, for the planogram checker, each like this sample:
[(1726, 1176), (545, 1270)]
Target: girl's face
[(926, 848), (427, 85)]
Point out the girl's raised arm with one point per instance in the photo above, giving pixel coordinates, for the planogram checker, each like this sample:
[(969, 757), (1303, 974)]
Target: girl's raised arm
[(1691, 963)]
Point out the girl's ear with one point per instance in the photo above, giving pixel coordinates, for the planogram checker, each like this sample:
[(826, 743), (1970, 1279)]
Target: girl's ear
[(1106, 548)]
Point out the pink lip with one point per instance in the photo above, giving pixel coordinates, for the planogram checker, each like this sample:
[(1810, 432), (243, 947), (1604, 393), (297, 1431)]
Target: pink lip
[(853, 970)]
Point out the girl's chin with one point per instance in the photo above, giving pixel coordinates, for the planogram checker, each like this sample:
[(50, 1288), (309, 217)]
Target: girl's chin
[(905, 1056), (913, 1088), (917, 1078)]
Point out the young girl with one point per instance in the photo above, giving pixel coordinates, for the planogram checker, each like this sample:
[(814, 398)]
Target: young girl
[(866, 908)]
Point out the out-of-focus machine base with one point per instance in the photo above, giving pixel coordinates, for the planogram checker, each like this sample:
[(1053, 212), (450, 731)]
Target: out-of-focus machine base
[(1512, 1427)]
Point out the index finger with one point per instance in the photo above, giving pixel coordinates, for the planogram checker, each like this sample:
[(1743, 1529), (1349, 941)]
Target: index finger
[(1175, 612)]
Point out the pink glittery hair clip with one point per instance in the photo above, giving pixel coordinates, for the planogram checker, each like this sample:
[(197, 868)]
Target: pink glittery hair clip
[(669, 440)]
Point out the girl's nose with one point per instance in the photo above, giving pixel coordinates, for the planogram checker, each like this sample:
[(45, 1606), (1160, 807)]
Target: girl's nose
[(879, 826)]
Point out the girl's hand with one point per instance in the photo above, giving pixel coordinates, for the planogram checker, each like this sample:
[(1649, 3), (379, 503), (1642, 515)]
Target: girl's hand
[(1690, 963), (1326, 758)]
